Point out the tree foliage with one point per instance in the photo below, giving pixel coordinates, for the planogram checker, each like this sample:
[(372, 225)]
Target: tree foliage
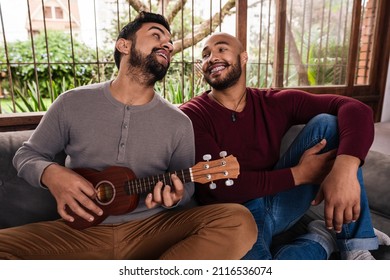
[(66, 62)]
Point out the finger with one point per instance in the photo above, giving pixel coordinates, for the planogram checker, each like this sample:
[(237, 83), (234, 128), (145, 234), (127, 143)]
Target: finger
[(317, 147), (167, 196), (179, 186), (86, 194), (88, 203), (79, 207), (348, 215), (62, 212), (338, 216), (356, 212), (88, 188), (149, 201), (328, 215), (318, 199), (157, 192)]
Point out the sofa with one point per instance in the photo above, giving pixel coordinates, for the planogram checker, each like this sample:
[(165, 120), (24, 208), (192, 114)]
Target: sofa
[(21, 203)]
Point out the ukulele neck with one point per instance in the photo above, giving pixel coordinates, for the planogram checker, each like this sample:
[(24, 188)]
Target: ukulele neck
[(146, 184)]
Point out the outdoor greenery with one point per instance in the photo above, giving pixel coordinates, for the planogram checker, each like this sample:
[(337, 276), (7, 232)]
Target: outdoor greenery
[(327, 68), (58, 53)]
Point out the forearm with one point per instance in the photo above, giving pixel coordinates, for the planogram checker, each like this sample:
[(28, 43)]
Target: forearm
[(30, 165), (40, 150)]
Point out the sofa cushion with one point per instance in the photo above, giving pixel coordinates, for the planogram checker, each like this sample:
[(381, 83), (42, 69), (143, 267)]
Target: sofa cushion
[(376, 173), (21, 203)]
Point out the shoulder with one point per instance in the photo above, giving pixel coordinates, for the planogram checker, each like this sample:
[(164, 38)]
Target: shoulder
[(85, 91), (171, 112), (279, 97), (198, 105), (196, 102)]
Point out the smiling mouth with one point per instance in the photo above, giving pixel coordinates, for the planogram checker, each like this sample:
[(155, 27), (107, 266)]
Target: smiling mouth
[(216, 70), (163, 55)]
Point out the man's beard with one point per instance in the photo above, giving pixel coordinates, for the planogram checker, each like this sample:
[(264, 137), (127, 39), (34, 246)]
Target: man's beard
[(231, 78), (151, 70)]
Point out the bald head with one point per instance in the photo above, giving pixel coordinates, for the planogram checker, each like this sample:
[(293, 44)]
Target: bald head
[(224, 38), (223, 58)]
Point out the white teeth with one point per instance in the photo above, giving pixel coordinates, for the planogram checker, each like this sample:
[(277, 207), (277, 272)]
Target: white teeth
[(163, 55), (216, 69)]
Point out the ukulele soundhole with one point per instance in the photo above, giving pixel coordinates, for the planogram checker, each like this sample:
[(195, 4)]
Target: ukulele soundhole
[(105, 192)]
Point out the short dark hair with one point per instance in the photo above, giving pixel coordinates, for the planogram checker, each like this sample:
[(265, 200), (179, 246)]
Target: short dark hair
[(129, 30)]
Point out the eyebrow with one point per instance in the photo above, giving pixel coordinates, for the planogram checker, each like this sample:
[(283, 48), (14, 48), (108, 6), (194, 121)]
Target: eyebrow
[(161, 30), (216, 44)]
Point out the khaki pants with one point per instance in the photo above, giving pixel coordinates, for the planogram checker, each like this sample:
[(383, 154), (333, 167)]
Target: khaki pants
[(220, 231)]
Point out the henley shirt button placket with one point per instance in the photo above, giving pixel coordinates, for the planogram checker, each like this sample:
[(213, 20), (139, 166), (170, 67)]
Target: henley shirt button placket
[(124, 136)]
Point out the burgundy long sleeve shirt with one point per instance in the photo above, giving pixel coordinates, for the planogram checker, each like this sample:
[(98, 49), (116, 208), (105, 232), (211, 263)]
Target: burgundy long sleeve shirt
[(255, 137)]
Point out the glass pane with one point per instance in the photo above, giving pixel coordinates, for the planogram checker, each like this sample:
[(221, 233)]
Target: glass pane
[(48, 12), (260, 42), (317, 42), (59, 13)]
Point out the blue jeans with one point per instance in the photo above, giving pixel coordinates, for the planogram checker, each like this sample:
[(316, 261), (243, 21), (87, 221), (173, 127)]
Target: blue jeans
[(275, 214)]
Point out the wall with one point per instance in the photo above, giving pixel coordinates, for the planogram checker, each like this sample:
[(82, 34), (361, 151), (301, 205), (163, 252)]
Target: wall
[(386, 101)]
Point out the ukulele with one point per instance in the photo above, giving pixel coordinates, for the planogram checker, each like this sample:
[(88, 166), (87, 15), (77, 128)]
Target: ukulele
[(118, 189)]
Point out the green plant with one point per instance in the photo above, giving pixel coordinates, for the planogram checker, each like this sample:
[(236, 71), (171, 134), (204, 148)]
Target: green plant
[(177, 92), (56, 64), (27, 98), (327, 67)]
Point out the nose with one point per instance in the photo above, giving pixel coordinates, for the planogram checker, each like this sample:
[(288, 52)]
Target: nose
[(210, 60), (168, 46), (213, 57)]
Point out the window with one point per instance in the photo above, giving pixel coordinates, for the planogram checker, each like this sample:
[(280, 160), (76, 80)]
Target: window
[(59, 13), (52, 12), (322, 46), (313, 39), (48, 13)]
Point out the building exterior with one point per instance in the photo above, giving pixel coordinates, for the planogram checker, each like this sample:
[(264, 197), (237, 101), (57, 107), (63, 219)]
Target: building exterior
[(55, 15)]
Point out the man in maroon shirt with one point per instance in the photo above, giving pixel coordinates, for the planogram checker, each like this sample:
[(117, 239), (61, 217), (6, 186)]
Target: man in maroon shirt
[(321, 164)]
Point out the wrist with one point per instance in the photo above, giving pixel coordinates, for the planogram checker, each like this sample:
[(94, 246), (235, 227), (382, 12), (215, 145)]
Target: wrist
[(346, 163), (297, 175)]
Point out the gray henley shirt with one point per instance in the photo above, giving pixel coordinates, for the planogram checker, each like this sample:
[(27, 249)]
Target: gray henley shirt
[(97, 131)]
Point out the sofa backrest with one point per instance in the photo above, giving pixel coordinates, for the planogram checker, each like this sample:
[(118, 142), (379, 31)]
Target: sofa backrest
[(21, 203)]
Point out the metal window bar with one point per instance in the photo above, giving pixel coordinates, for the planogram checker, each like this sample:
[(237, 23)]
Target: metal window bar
[(33, 55), (289, 42), (310, 15), (344, 58)]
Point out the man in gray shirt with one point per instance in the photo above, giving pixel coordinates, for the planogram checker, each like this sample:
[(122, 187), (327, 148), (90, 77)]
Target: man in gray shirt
[(125, 124)]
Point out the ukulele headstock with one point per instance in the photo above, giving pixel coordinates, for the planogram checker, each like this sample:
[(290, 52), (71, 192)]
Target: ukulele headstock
[(227, 167)]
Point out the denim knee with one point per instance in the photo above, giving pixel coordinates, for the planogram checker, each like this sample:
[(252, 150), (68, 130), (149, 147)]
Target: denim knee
[(325, 126)]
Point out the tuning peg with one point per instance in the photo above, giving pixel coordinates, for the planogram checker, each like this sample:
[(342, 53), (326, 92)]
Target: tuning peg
[(229, 182), (207, 157), (212, 186), (223, 154)]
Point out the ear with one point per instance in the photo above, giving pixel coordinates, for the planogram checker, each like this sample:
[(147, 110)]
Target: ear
[(244, 58), (123, 46)]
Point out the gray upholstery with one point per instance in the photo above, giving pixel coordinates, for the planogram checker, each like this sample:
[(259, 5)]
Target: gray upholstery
[(21, 203)]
